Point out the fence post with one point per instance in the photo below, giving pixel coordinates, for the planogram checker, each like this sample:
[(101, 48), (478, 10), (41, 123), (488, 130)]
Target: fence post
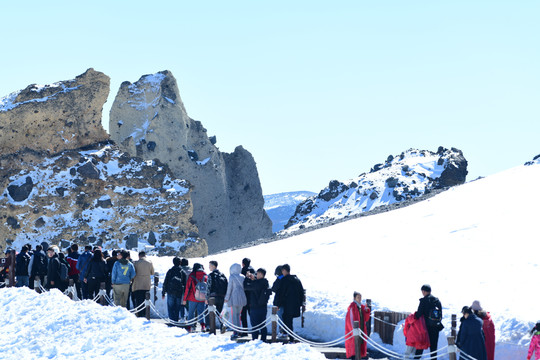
[(37, 284), (147, 305), (357, 341), (451, 348), (274, 323), (454, 325), (156, 283), (368, 325), (212, 315), (102, 300), (11, 274)]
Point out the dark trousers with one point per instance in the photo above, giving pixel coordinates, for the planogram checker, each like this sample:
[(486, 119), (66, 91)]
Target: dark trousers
[(138, 298), (243, 316), (33, 278), (433, 334), (288, 321), (77, 284), (258, 315), (173, 306), (93, 287)]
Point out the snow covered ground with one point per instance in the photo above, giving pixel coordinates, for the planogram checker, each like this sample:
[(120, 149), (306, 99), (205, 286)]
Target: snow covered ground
[(472, 242)]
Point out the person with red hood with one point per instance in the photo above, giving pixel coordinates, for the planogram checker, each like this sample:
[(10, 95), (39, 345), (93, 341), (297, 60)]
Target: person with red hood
[(353, 314), (190, 295), (488, 327)]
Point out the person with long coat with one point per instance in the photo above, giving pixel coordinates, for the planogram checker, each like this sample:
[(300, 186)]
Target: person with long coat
[(416, 335), (236, 297), (95, 274), (470, 338), (290, 297), (353, 314), (488, 327)]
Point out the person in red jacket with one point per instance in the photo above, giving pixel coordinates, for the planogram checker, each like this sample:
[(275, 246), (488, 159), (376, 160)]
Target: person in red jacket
[(488, 327), (353, 314), (195, 277)]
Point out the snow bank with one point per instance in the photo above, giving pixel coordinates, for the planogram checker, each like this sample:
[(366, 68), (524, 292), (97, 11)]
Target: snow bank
[(52, 326)]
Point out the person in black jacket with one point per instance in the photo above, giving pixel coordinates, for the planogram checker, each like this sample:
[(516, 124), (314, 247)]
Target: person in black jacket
[(246, 267), (217, 288), (53, 268), (38, 266), (470, 338), (21, 267), (290, 297), (96, 273), (174, 286), (259, 292), (430, 307)]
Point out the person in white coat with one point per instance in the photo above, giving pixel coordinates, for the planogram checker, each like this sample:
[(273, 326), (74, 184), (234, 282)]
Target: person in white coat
[(236, 297)]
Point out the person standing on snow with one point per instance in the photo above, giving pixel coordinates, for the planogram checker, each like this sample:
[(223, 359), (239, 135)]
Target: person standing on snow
[(470, 338), (259, 291), (82, 264), (236, 297), (488, 327), (195, 304), (290, 297), (144, 269), (174, 286), (95, 274), (353, 314), (217, 288), (53, 268), (534, 347), (430, 307), (38, 266), (246, 267), (121, 275), (21, 267)]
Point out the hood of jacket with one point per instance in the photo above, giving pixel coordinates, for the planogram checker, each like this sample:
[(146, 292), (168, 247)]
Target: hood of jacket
[(235, 269)]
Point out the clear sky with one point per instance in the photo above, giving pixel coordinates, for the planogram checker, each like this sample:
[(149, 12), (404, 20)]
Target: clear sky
[(315, 90)]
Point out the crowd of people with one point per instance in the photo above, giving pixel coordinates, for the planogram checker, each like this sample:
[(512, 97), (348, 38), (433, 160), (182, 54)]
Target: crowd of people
[(244, 292)]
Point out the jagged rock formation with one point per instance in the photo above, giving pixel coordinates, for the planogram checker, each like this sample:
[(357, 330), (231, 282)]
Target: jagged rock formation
[(56, 117), (280, 207), (535, 160), (148, 119), (97, 194), (411, 174)]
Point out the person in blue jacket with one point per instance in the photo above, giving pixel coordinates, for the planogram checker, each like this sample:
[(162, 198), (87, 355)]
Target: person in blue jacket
[(470, 338), (122, 273)]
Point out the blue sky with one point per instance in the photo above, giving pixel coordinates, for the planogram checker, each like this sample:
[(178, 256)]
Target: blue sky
[(314, 90)]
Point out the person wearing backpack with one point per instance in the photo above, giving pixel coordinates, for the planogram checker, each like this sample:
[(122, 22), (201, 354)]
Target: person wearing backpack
[(259, 292), (53, 268), (195, 293), (72, 259), (21, 267), (174, 286), (290, 297), (236, 297), (38, 266), (121, 275), (430, 307), (96, 273), (217, 287), (184, 264)]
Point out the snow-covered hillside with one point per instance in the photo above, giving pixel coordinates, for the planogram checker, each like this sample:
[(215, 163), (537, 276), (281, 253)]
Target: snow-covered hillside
[(280, 207), (411, 174), (466, 242)]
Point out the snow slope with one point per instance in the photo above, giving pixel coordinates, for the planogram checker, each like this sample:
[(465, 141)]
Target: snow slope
[(469, 243), (50, 326), (280, 207)]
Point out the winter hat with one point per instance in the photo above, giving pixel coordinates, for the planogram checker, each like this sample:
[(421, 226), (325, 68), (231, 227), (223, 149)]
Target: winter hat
[(426, 287), (476, 306)]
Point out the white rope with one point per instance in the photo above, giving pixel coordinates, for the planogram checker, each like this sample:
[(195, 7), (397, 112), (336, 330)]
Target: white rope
[(385, 322), (137, 309), (465, 355), (241, 329), (312, 343), (193, 321), (41, 288)]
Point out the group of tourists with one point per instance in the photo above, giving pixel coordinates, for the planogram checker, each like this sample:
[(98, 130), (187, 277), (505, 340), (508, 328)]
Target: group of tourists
[(126, 279), (244, 292)]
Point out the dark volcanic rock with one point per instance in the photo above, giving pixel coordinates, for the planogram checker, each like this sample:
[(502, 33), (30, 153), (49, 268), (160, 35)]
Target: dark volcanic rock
[(89, 170), (21, 192)]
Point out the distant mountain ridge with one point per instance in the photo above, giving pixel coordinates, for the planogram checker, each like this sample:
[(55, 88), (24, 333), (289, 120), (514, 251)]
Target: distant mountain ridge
[(280, 207), (408, 175)]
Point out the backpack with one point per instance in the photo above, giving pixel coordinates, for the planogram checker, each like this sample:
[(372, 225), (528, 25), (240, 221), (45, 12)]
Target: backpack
[(200, 290), (435, 315), (41, 265), (64, 272), (220, 284), (176, 285)]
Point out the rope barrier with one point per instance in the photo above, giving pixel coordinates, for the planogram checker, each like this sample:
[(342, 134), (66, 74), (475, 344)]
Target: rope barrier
[(465, 355), (312, 343), (193, 321), (241, 329)]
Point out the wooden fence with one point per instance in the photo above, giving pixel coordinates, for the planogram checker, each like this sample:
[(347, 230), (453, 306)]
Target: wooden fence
[(386, 329)]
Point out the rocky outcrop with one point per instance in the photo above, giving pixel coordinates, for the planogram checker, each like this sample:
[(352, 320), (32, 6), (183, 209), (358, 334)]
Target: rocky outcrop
[(411, 174), (148, 119), (62, 182), (535, 160), (99, 196), (52, 118)]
